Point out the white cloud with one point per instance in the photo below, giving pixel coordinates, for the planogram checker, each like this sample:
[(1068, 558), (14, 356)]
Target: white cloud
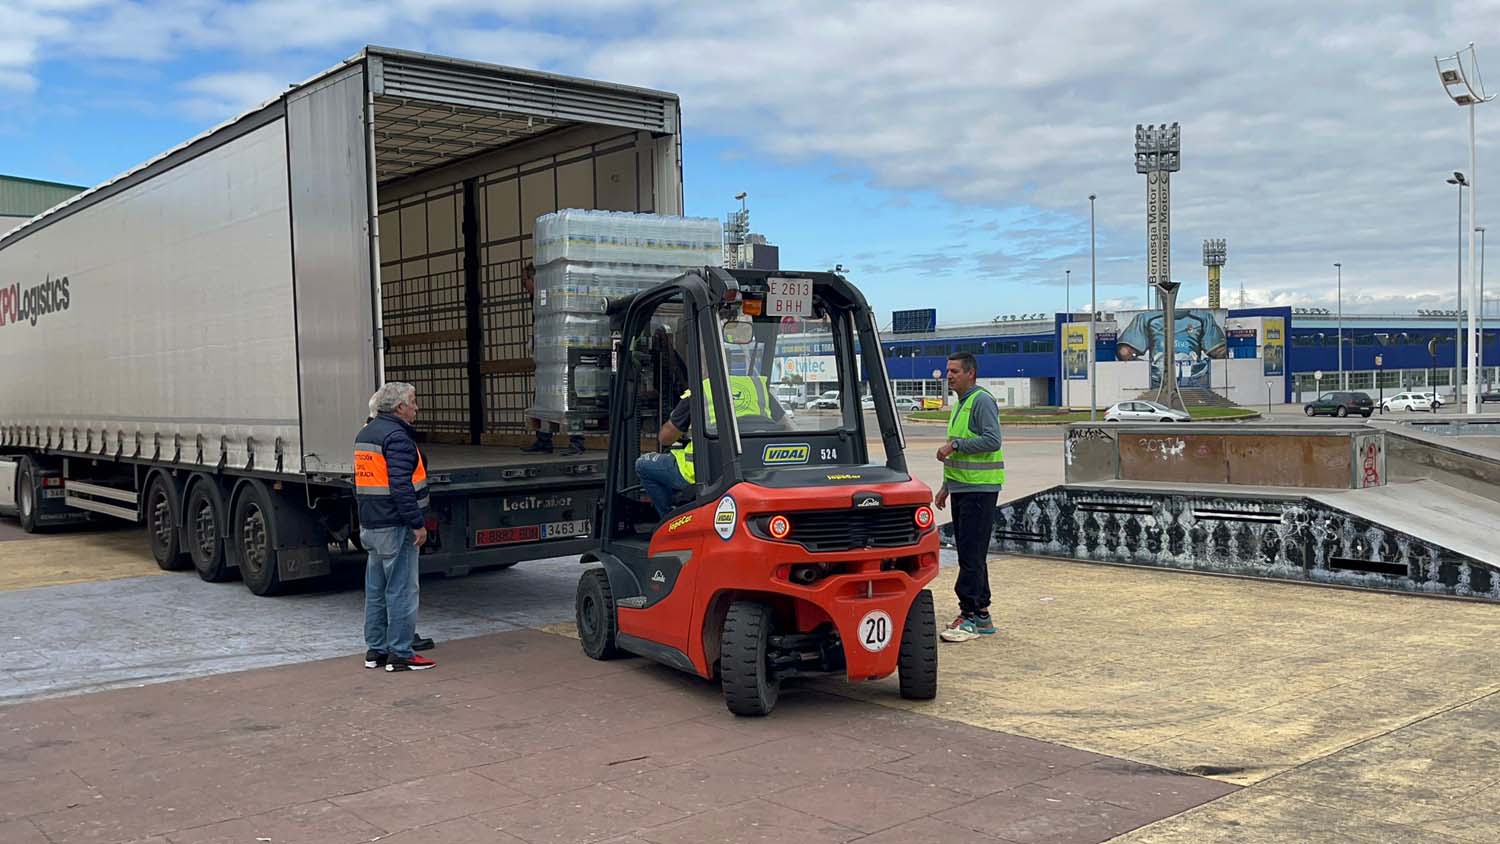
[(221, 95)]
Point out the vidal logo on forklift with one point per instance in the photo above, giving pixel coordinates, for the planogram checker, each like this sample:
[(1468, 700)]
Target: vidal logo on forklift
[(724, 518), (782, 455)]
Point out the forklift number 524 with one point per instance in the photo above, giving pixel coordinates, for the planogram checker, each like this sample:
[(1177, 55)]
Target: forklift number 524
[(875, 630)]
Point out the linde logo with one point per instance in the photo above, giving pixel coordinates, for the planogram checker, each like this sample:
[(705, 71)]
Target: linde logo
[(19, 305)]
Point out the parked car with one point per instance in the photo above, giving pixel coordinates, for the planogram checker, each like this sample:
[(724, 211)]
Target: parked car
[(828, 401), (1492, 394), (906, 404), (1412, 401), (1340, 404), (789, 396), (1144, 411)]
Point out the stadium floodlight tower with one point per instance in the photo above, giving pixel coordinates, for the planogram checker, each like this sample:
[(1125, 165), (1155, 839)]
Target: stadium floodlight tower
[(1464, 84), (1214, 255), (1158, 154)]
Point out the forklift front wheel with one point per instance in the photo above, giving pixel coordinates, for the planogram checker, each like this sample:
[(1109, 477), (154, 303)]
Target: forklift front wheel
[(918, 658), (595, 611), (749, 687)]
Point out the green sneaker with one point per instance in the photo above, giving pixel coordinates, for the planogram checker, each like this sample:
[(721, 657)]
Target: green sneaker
[(984, 625), (961, 630)]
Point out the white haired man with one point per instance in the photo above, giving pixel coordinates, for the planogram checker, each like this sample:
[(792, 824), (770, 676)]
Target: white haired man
[(390, 484)]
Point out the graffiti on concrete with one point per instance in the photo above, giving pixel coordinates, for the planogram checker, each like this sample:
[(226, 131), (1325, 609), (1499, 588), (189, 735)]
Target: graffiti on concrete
[(1163, 448), (1290, 539)]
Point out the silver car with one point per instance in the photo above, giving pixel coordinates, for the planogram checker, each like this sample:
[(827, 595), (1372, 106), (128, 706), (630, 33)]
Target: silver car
[(1140, 410)]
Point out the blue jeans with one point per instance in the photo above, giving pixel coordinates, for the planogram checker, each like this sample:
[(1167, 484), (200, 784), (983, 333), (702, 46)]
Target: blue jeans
[(659, 478), (391, 589)]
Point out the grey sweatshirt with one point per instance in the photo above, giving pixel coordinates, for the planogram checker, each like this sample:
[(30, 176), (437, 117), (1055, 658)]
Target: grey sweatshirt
[(984, 417)]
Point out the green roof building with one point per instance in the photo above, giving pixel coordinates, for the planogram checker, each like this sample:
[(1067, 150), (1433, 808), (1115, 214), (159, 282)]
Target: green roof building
[(21, 199)]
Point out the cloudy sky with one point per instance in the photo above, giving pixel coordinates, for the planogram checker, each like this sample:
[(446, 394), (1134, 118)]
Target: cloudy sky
[(944, 152)]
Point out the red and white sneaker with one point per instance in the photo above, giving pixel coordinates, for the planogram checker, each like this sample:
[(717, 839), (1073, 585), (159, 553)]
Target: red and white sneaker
[(415, 662)]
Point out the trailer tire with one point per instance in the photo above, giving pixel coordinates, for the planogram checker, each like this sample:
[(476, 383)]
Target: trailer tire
[(594, 613), (203, 525), (917, 661), (745, 667), (27, 501), (162, 510), (253, 538)]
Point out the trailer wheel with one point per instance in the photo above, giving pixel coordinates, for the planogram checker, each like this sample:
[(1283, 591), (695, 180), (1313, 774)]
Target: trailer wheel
[(917, 660), (745, 666), (27, 501), (161, 524), (594, 609), (203, 531), (253, 539)]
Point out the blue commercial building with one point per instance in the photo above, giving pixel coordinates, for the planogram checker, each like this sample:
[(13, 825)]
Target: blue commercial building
[(1025, 355)]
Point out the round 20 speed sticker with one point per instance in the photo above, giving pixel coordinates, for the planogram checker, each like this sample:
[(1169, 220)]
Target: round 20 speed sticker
[(875, 630)]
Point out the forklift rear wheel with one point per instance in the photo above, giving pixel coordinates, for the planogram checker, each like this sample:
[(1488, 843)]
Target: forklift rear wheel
[(918, 658), (595, 611), (749, 687)]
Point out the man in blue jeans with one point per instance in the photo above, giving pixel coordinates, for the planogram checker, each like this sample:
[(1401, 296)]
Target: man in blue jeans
[(390, 484)]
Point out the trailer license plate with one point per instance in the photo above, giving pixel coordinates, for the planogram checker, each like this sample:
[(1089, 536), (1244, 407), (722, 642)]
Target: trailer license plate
[(54, 493), (531, 533)]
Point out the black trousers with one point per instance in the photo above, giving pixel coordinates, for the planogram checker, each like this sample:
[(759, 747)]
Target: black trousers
[(973, 521)]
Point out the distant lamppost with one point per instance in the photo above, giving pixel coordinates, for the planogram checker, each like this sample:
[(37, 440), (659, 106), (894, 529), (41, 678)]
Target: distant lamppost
[(1480, 229), (1068, 305), (1093, 313), (1339, 267), (1214, 254), (1458, 332), (1465, 86)]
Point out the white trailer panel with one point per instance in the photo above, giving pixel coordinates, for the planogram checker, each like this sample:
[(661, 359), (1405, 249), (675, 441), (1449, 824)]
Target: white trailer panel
[(174, 321)]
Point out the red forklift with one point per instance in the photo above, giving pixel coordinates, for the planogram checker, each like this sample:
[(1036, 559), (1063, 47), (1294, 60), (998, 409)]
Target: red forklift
[(794, 553)]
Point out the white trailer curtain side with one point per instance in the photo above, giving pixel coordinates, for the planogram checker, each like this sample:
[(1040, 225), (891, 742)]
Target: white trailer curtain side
[(221, 305)]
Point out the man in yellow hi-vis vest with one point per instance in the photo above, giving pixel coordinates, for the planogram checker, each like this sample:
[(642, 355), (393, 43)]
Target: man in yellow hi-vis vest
[(662, 474), (973, 473)]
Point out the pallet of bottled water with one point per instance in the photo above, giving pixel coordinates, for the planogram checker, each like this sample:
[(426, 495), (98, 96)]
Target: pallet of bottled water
[(584, 259), (623, 237)]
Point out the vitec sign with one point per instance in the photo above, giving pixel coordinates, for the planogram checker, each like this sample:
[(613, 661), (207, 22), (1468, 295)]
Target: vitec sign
[(33, 303)]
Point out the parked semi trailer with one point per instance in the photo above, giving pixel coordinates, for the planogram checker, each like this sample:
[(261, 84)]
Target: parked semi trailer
[(192, 345)]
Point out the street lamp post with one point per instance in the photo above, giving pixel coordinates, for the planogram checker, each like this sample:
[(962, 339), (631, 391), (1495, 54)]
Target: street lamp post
[(1068, 304), (1480, 229), (1467, 92), (1339, 268), (1093, 312), (1458, 319)]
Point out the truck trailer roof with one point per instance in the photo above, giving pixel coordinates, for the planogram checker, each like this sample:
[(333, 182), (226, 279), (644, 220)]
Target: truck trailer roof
[(470, 91)]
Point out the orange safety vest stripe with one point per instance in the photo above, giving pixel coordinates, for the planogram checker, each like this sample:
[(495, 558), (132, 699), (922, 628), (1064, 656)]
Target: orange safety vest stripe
[(372, 476)]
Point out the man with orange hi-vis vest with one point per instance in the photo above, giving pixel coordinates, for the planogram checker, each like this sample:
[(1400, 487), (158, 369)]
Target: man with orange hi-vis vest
[(390, 484)]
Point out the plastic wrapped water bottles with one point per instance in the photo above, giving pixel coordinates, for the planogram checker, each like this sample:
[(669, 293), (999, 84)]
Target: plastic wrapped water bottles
[(583, 260)]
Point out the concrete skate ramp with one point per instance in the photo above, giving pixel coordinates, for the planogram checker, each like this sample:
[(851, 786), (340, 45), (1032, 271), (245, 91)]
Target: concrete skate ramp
[(1370, 506), (1454, 520), (1311, 456), (1459, 454)]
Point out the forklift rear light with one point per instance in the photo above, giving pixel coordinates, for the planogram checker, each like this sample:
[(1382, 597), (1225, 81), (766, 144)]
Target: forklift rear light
[(924, 517), (780, 527), (52, 481)]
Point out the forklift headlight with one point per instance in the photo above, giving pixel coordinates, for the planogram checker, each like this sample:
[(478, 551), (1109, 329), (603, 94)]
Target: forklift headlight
[(779, 527), (923, 517)]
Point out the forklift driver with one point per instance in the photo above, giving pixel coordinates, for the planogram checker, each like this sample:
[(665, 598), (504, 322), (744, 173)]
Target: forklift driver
[(663, 474)]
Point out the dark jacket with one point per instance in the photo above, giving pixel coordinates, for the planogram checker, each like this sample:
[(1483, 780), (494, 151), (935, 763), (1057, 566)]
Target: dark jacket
[(390, 475)]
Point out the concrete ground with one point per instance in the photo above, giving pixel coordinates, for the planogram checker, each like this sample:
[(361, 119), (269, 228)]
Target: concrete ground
[(1114, 704)]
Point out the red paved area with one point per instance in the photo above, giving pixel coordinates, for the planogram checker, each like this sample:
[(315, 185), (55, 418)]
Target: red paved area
[(519, 737)]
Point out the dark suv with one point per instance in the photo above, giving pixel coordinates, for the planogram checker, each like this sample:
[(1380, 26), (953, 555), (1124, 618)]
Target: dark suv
[(1340, 404)]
